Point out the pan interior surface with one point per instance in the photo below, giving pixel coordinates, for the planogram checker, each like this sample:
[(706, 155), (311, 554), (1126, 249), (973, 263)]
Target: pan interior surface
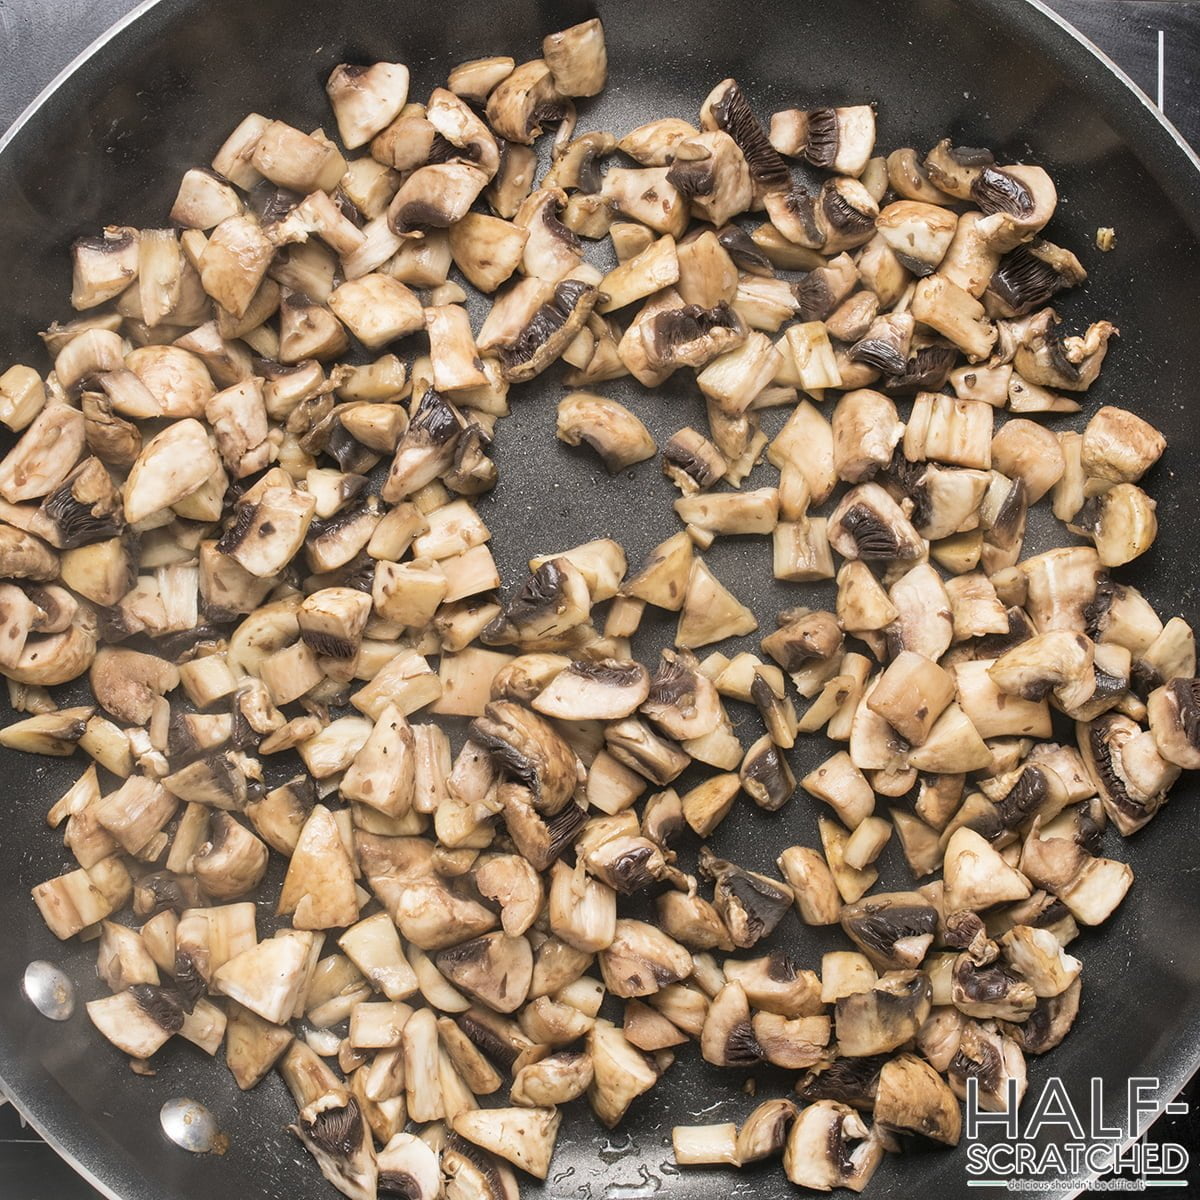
[(109, 146)]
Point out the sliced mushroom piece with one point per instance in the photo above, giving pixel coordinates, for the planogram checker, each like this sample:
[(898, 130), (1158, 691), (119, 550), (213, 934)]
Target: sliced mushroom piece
[(44, 456), (552, 251), (727, 108), (838, 139), (1024, 450), (173, 465), (494, 969), (1061, 585), (750, 904), (1029, 276), (525, 100), (692, 462), (513, 883), (1130, 775), (710, 611), (140, 1019), (1174, 715), (608, 427), (818, 1152), (1049, 1022), (681, 699), (487, 249), (663, 580), (908, 178), (766, 776), (808, 646), (435, 197), (955, 168), (548, 332), (812, 883), (23, 556), (911, 694), (319, 890), (690, 919), (333, 1130), (991, 1058), (977, 876), (556, 1079), (641, 959), (990, 992), (1044, 355), (409, 1168), (667, 334), (913, 1098), (886, 343), (620, 1073), (918, 233), (366, 100), (708, 271), (793, 1044), (1058, 661), (603, 690), (634, 744), (894, 930), (711, 172), (694, 1145), (866, 431), (577, 58), (775, 984), (426, 449), (852, 1081), (127, 682), (53, 733), (104, 266), (528, 748), (268, 978), (1122, 523), (233, 862), (266, 533), (764, 1132), (885, 1017), (727, 1037), (997, 713), (1023, 197), (234, 263), (1038, 956), (553, 601), (116, 442), (845, 214), (18, 616), (869, 524), (653, 144), (955, 314), (1119, 446)]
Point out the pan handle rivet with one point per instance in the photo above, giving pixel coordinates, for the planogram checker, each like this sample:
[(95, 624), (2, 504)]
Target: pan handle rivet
[(191, 1126), (49, 990)]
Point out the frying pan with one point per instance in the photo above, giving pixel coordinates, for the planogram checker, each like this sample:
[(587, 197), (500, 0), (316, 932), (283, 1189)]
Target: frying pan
[(110, 140)]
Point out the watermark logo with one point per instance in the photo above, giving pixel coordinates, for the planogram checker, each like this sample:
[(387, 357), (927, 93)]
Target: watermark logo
[(1054, 1141)]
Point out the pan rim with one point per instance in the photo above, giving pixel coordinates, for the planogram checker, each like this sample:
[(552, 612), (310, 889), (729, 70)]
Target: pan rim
[(1034, 20)]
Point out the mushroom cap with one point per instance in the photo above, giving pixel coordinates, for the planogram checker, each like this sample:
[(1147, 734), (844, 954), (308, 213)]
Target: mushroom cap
[(598, 690), (913, 1098), (1174, 714)]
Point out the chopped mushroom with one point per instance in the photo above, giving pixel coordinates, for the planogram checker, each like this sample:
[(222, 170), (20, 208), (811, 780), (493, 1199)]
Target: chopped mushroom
[(608, 427)]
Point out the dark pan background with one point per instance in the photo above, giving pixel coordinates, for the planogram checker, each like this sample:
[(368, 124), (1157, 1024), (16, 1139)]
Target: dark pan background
[(110, 144)]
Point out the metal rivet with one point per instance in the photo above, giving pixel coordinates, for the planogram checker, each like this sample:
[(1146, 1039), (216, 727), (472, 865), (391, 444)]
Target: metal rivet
[(191, 1126), (49, 990)]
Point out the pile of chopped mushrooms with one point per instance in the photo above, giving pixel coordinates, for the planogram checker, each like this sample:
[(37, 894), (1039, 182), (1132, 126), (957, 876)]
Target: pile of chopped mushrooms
[(193, 519)]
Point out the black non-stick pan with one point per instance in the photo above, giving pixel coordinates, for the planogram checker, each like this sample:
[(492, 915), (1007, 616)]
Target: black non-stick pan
[(108, 145)]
